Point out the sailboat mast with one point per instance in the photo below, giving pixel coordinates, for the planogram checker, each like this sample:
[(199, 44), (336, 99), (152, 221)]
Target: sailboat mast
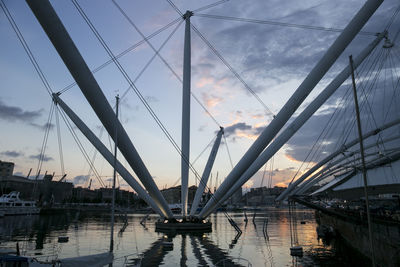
[(114, 178), (364, 171), (186, 115)]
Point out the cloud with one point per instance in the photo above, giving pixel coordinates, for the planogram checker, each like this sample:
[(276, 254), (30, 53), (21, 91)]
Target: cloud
[(45, 158), (81, 179), (242, 129), (12, 154), (277, 177), (233, 129), (211, 100), (12, 113)]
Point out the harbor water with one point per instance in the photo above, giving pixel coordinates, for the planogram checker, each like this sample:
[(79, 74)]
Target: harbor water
[(89, 233)]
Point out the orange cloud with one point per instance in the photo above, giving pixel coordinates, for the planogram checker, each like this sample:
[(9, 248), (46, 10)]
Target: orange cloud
[(246, 135), (281, 184), (289, 157), (204, 81), (211, 100), (248, 184)]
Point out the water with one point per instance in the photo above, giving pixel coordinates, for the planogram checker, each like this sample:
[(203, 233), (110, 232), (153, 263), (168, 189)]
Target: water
[(90, 234)]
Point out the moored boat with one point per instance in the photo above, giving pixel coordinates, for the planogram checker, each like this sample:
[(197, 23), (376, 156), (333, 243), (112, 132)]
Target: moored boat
[(11, 204)]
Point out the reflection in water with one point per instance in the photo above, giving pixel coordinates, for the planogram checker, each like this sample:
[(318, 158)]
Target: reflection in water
[(155, 254), (89, 234), (196, 251), (183, 251), (215, 253)]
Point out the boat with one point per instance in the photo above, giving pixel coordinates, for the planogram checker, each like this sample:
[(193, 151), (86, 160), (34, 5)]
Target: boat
[(11, 204)]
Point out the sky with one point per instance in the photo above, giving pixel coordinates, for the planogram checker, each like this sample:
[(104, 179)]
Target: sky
[(272, 60)]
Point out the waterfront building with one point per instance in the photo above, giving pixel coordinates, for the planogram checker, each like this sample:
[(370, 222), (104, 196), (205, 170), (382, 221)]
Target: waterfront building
[(6, 168), (43, 190)]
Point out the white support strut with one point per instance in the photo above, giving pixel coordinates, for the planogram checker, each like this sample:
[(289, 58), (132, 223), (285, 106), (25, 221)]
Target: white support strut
[(79, 70), (315, 178), (346, 146), (294, 102), (302, 118), (186, 115), (107, 154), (206, 173)]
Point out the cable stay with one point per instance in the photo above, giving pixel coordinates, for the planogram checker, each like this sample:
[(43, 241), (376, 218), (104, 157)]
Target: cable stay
[(210, 5), (81, 148), (128, 79), (367, 69), (227, 150), (157, 53), (45, 139), (126, 51), (234, 72), (47, 87), (282, 24), (98, 36), (164, 61)]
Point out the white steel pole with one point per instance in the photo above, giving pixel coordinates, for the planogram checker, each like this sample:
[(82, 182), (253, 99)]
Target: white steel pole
[(185, 115), (294, 102), (78, 68), (315, 179), (206, 173), (107, 155), (290, 188)]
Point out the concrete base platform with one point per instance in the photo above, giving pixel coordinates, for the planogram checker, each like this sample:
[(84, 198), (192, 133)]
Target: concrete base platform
[(203, 227)]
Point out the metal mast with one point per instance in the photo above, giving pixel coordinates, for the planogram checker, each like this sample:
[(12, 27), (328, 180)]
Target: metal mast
[(186, 115), (206, 173), (364, 171), (78, 68), (114, 178), (294, 102)]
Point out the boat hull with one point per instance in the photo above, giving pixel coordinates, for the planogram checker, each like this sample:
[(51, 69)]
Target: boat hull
[(19, 211)]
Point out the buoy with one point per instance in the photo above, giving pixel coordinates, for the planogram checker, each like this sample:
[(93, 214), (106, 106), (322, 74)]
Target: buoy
[(296, 251), (63, 239)]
